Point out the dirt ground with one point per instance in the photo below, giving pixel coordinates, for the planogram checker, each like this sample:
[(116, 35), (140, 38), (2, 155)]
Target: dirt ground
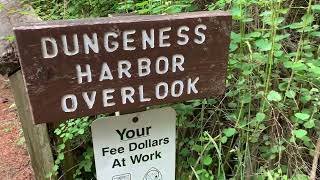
[(14, 159)]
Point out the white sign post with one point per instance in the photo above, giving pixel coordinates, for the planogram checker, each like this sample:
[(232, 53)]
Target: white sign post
[(139, 146)]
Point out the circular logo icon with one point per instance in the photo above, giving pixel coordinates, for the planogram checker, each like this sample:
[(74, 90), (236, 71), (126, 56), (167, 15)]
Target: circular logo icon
[(153, 174)]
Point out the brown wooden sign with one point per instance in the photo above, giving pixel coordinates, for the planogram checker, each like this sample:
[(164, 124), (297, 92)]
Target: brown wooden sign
[(88, 67)]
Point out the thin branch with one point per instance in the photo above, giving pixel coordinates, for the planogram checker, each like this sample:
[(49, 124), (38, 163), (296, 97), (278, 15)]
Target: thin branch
[(313, 173)]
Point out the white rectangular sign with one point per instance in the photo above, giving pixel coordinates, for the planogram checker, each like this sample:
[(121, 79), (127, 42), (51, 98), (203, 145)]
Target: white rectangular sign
[(139, 146)]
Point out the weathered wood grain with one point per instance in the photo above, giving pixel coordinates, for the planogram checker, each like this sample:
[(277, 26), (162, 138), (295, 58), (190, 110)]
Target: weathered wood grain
[(50, 79), (37, 138)]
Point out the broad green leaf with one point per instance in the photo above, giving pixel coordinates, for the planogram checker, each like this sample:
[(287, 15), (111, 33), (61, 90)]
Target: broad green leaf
[(266, 13), (314, 90), (185, 152), (316, 7), (260, 117), (281, 37), (310, 124), (143, 11), (299, 133), (283, 86), (141, 4), (207, 160), (81, 131), (233, 47), (57, 132), (283, 10), (236, 38), (308, 19), (302, 116), (306, 139), (87, 166), (236, 13), (296, 66), (315, 70), (230, 132), (68, 136), (291, 94), (255, 34), (278, 53), (61, 156), (296, 25), (306, 29), (280, 20), (158, 9), (61, 147), (174, 9), (274, 96), (305, 99), (315, 34), (197, 148), (263, 45), (246, 98), (224, 139), (55, 168)]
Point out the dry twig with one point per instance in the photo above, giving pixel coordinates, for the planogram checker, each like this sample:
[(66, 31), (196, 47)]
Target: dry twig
[(313, 173)]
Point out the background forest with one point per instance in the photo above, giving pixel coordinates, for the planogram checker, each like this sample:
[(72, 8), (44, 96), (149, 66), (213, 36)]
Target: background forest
[(267, 124)]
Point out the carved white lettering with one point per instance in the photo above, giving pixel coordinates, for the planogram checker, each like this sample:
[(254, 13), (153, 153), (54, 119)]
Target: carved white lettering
[(74, 103), (54, 47), (91, 43)]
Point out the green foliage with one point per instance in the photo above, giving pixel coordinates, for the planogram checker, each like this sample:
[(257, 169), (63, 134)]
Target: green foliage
[(1, 7), (156, 7), (260, 117), (266, 125), (9, 38), (300, 133), (229, 132), (72, 9), (302, 116), (274, 96), (74, 134)]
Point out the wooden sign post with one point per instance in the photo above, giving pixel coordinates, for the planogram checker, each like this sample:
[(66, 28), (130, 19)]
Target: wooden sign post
[(87, 67)]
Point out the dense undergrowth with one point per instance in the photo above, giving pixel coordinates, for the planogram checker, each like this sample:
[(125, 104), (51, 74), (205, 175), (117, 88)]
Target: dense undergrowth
[(267, 124)]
